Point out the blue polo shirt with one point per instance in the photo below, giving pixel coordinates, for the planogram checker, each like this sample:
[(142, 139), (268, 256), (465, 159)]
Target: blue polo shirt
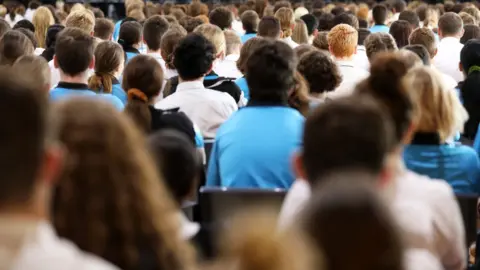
[(116, 30), (458, 164), (130, 52), (67, 90), (118, 91), (247, 36), (254, 148), (379, 28), (242, 84)]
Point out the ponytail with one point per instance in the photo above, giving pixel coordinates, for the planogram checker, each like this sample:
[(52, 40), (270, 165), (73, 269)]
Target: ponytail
[(101, 82), (137, 109)]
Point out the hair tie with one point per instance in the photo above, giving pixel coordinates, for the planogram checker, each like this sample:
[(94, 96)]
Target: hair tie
[(137, 94), (472, 69)]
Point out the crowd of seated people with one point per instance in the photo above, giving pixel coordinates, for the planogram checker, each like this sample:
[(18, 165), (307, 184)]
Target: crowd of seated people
[(363, 118)]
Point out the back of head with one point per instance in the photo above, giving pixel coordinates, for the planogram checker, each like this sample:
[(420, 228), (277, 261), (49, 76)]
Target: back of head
[(411, 17), (347, 200), (450, 24), (282, 4), (221, 17), (420, 51), (36, 69), (177, 162), (379, 42), (470, 62), (82, 19), (321, 73), (311, 22), (25, 24), (250, 21), (386, 85), (467, 18), (401, 30), (303, 49), (142, 80), (153, 30), (197, 8), (103, 28), (34, 4), (321, 41), (109, 59), (215, 35), (325, 22), (342, 40), (348, 134), (168, 45), (300, 32), (269, 27), (191, 23), (42, 19), (52, 34), (23, 137), (362, 35), (379, 14), (424, 36), (233, 42), (399, 6), (473, 11), (270, 73), (471, 32), (74, 50), (14, 44), (247, 49), (4, 27), (130, 34), (346, 18), (286, 19), (194, 57)]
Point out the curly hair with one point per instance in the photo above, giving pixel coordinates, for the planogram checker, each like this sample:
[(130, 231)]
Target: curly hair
[(109, 200), (320, 71)]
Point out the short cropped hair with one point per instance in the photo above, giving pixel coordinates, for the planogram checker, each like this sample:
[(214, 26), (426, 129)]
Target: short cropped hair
[(346, 18), (471, 32), (221, 17), (194, 56), (103, 28), (82, 19), (270, 72), (74, 50), (379, 14), (325, 22), (311, 22), (400, 31), (399, 6), (153, 30), (191, 23), (250, 21), (335, 132), (247, 49), (269, 27), (4, 27), (321, 41), (450, 24), (320, 71), (130, 34), (13, 45), (215, 35), (25, 24), (35, 68), (342, 40), (411, 17), (424, 36), (420, 51), (197, 8), (379, 42)]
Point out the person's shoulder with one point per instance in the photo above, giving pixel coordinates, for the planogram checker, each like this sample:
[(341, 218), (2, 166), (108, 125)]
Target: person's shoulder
[(115, 101), (433, 190)]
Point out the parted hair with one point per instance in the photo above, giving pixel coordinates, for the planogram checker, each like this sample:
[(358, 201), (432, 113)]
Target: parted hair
[(110, 203), (109, 56), (74, 50), (342, 40), (379, 42)]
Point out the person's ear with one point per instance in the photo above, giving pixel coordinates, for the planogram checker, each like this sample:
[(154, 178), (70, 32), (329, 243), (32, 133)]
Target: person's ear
[(460, 67), (221, 55), (315, 32), (440, 35), (355, 52), (92, 34), (55, 62), (92, 63), (435, 53), (51, 164), (330, 49), (110, 38), (292, 26), (298, 168)]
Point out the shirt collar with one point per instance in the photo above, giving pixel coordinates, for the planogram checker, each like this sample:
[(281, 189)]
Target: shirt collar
[(131, 49), (115, 81), (190, 85), (75, 86), (345, 63)]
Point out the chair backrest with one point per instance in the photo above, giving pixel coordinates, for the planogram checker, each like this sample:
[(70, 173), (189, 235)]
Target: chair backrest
[(468, 206), (218, 204)]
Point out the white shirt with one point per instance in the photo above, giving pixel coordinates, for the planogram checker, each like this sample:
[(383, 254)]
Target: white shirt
[(294, 202), (159, 59), (228, 67), (351, 76), (16, 19), (448, 57), (206, 108), (360, 59), (188, 229), (29, 14), (35, 246), (237, 26), (38, 51), (290, 42), (55, 74)]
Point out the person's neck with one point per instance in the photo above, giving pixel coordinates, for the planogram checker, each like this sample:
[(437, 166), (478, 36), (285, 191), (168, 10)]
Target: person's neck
[(149, 51), (180, 80), (83, 78), (380, 24), (344, 58)]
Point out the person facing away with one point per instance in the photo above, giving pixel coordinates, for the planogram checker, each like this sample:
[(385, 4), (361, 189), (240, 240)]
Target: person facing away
[(250, 21), (74, 56), (441, 116), (14, 44), (379, 14), (342, 44), (110, 203), (30, 164), (109, 61), (103, 29), (130, 38), (154, 29), (263, 136), (207, 108), (470, 66), (287, 22), (447, 59)]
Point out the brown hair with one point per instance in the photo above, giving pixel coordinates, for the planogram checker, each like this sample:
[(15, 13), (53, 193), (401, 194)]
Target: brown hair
[(321, 41), (320, 71), (34, 68), (286, 19), (298, 98), (103, 28), (153, 30), (108, 202), (82, 19), (221, 17), (467, 18), (109, 56), (269, 27), (169, 42), (74, 50), (300, 32), (14, 44), (260, 7), (450, 24), (191, 23), (425, 37), (142, 80), (472, 10), (250, 21), (42, 19), (247, 49), (197, 8), (342, 40), (379, 42)]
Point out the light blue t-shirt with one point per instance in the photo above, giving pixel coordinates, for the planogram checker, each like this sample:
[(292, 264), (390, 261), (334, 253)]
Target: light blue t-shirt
[(254, 148), (246, 37), (118, 91), (242, 84), (116, 30), (380, 28)]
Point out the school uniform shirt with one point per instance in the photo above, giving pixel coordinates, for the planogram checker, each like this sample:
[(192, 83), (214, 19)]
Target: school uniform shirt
[(34, 245), (254, 148), (290, 42), (351, 76), (448, 57), (242, 84), (118, 91), (379, 28), (29, 14), (459, 165), (116, 30), (16, 19), (294, 203), (228, 67), (55, 73), (131, 52), (248, 36), (206, 108), (360, 59), (38, 51), (69, 90), (159, 59), (237, 26)]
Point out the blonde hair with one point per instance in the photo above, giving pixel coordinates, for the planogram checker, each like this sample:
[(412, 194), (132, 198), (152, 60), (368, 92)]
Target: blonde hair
[(77, 7), (137, 14), (287, 20), (342, 40), (3, 11), (42, 19), (431, 18), (438, 109), (215, 35), (82, 19), (233, 42), (300, 32)]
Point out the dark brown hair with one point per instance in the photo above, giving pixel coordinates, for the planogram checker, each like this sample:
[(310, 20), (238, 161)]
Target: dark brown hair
[(221, 17), (74, 51), (247, 49), (142, 80), (14, 44), (320, 71), (400, 31), (153, 30), (109, 56), (103, 28), (110, 200), (269, 27), (197, 8), (169, 42), (424, 36), (450, 24), (250, 21)]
